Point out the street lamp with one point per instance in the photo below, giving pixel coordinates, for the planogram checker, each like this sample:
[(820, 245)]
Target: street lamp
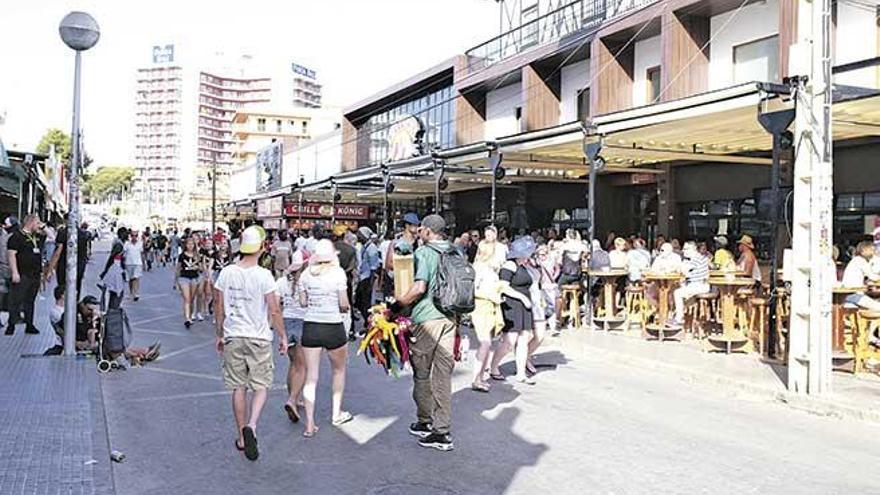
[(79, 31)]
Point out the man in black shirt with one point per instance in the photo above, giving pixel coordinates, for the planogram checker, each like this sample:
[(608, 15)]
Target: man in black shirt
[(26, 262)]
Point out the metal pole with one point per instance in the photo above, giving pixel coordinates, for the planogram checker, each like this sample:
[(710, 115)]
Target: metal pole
[(437, 177), (386, 212), (334, 188), (72, 220)]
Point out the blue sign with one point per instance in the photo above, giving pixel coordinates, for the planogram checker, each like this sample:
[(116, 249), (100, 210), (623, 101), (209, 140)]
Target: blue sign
[(163, 54), (303, 71)]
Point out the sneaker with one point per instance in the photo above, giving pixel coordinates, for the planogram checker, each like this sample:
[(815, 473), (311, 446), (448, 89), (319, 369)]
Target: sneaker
[(30, 329), (187, 323), (439, 441), (421, 430), (199, 317)]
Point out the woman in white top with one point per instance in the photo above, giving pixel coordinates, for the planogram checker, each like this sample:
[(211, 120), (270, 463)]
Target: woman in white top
[(617, 256), (322, 290), (486, 318), (133, 251), (294, 313)]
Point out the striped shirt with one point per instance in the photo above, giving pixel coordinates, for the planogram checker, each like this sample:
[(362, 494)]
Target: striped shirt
[(696, 270)]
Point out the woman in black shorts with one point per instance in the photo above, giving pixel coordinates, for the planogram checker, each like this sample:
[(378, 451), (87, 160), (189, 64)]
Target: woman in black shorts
[(516, 306), (322, 289)]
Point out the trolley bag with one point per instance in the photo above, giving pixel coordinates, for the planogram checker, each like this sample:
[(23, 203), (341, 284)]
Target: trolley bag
[(117, 332)]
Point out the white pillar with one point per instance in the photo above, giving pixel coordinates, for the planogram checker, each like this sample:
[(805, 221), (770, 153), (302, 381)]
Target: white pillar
[(809, 361)]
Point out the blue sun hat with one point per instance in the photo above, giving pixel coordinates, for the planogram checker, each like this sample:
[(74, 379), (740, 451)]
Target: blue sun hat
[(524, 247)]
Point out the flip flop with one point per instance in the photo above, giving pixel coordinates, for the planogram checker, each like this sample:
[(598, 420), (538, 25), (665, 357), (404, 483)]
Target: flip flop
[(498, 377), (344, 417), (238, 447), (250, 443), (480, 387), (310, 434), (292, 414)]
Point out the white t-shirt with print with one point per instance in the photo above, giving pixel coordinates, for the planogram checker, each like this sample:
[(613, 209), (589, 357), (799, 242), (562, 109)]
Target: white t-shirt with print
[(244, 301), (322, 292), (290, 301), (133, 253)]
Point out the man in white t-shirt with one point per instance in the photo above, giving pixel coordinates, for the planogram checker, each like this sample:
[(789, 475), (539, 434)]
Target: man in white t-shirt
[(133, 254), (245, 302)]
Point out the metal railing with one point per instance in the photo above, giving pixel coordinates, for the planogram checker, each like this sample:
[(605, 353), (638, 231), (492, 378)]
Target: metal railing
[(572, 18)]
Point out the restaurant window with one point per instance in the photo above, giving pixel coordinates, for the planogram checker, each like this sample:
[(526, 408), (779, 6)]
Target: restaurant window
[(261, 125), (583, 105), (756, 60), (278, 125), (653, 78)]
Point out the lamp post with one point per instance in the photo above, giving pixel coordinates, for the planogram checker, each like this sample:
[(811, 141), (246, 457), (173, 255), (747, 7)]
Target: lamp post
[(79, 31)]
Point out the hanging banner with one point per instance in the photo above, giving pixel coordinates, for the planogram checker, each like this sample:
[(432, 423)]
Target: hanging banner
[(325, 210), (270, 207)]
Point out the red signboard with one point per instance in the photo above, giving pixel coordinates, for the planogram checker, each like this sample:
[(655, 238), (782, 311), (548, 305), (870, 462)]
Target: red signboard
[(325, 210)]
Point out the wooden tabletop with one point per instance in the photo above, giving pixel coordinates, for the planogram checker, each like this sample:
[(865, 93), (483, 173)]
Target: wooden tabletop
[(662, 276), (847, 290), (737, 281), (614, 272), (723, 273)]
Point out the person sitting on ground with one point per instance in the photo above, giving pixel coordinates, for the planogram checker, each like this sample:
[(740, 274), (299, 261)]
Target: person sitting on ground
[(696, 272)]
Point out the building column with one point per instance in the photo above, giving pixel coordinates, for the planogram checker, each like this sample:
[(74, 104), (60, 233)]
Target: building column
[(788, 10), (612, 88), (667, 215), (540, 90), (349, 145), (684, 66)]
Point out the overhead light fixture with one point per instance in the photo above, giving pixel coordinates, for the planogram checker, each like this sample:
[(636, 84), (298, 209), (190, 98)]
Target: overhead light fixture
[(500, 173)]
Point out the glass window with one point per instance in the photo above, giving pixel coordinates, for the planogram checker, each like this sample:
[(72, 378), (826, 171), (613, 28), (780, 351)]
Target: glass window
[(849, 202), (757, 60), (653, 77), (278, 125), (261, 125), (583, 105)]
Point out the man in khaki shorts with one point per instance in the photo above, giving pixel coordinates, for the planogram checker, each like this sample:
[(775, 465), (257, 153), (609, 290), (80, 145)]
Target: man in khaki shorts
[(245, 302)]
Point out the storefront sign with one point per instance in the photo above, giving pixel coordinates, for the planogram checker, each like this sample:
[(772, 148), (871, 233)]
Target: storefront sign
[(325, 210), (270, 207), (405, 138)]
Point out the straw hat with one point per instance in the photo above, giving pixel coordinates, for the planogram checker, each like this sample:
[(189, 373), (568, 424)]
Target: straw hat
[(746, 240)]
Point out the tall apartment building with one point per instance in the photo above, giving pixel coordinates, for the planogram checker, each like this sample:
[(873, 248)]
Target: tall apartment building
[(305, 89)]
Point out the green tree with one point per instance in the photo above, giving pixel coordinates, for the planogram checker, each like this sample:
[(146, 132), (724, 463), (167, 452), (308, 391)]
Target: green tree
[(107, 182), (62, 147)]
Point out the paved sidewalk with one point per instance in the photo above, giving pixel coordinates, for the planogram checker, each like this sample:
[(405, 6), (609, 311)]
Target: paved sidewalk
[(52, 423), (853, 396)]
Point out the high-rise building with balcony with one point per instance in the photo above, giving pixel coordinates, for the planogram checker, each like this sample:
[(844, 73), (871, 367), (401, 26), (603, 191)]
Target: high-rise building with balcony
[(305, 91)]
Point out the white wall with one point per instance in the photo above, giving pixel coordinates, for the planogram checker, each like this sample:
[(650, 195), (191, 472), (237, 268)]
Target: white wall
[(574, 77), (856, 40), (753, 22), (501, 111), (319, 159), (647, 54)]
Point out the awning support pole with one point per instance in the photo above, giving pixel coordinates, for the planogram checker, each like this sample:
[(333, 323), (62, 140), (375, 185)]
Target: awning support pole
[(495, 159), (775, 123), (334, 188), (299, 213), (592, 150), (386, 182), (438, 175)]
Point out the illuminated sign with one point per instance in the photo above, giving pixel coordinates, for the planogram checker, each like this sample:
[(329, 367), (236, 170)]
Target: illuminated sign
[(325, 210), (303, 71), (163, 54)]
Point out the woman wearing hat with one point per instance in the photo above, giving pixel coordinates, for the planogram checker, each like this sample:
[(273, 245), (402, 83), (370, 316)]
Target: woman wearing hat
[(323, 292), (294, 313), (516, 306)]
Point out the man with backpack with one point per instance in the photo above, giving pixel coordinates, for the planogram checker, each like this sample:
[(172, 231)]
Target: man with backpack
[(439, 294)]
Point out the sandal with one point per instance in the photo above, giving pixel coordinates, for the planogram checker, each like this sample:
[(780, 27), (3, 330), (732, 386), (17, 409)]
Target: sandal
[(239, 447), (310, 434), (344, 417), (250, 443), (530, 368), (480, 387), (526, 380), (292, 413), (498, 377)]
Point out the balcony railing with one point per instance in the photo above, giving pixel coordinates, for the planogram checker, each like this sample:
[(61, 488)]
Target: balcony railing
[(572, 18)]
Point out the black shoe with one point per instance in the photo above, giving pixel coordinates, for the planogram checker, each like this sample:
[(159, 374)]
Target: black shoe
[(421, 430), (9, 331), (187, 323), (439, 441), (32, 330), (136, 298)]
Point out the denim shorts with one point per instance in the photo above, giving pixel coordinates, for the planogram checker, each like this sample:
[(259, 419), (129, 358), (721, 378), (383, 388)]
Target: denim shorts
[(187, 281), (294, 329)]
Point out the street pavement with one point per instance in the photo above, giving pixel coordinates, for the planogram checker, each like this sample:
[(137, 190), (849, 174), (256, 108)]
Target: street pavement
[(592, 424)]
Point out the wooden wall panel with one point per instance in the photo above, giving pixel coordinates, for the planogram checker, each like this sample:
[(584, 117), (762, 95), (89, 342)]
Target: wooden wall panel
[(685, 60), (470, 118), (349, 145), (788, 20), (540, 100), (612, 78)]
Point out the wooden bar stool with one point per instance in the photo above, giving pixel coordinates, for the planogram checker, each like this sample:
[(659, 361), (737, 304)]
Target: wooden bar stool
[(866, 322), (570, 304), (707, 312), (758, 328), (783, 312), (636, 305), (743, 296)]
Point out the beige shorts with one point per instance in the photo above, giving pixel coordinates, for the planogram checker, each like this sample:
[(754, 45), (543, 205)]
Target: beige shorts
[(248, 363)]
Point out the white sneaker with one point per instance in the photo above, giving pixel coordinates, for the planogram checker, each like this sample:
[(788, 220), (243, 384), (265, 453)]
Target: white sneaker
[(199, 317)]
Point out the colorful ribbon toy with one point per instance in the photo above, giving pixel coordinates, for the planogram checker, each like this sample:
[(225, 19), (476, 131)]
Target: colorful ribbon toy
[(386, 341)]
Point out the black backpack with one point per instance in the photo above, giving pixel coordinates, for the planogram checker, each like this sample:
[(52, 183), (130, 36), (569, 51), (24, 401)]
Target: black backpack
[(454, 290)]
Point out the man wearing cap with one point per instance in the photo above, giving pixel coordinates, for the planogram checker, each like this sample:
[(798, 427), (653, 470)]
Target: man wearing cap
[(245, 301), (723, 258), (431, 355), (402, 245), (25, 255), (368, 266)]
